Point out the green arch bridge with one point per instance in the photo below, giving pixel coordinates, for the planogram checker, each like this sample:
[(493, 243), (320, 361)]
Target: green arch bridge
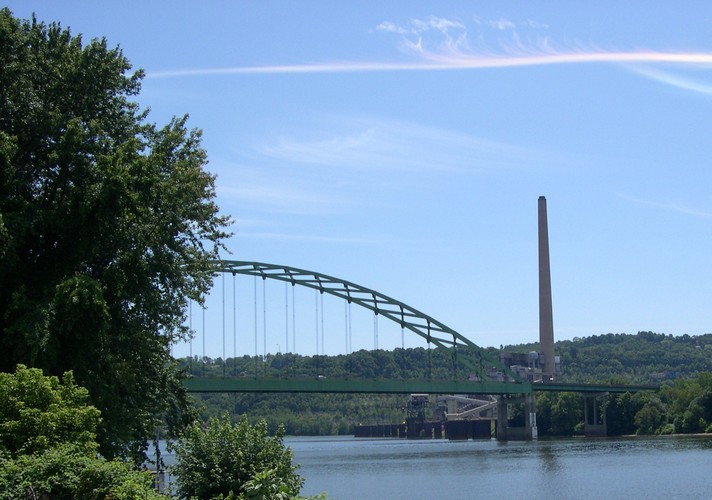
[(475, 370)]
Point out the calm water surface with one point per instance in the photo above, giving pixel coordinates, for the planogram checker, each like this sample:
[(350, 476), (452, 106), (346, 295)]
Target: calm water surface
[(631, 468)]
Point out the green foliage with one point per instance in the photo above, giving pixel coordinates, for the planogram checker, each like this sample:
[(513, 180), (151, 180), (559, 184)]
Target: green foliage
[(67, 471), (566, 414), (621, 410), (688, 404), (644, 358), (38, 413), (307, 414), (48, 447), (434, 364), (225, 460), (651, 417), (107, 226)]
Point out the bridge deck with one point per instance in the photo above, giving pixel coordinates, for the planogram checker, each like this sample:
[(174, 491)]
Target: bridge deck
[(392, 386), (562, 387)]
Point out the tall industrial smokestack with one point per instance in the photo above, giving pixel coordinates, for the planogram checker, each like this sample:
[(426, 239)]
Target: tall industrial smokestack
[(546, 317)]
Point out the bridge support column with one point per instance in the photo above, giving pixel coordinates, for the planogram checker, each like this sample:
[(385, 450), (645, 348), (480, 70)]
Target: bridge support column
[(594, 411), (523, 428)]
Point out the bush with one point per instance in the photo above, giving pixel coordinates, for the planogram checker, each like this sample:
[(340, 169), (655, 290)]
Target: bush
[(38, 412), (225, 460), (48, 445), (69, 472)]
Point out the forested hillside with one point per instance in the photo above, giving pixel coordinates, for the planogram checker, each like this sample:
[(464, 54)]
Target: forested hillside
[(679, 364), (645, 358)]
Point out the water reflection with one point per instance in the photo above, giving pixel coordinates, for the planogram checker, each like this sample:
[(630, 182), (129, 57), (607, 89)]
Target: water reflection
[(549, 462), (576, 468)]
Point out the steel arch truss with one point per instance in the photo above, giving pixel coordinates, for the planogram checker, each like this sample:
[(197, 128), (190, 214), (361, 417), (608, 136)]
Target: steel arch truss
[(427, 327)]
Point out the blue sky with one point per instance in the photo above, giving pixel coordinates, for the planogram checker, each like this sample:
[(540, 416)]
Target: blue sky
[(403, 146)]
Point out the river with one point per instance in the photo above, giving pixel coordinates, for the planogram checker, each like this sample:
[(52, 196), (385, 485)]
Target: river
[(347, 468)]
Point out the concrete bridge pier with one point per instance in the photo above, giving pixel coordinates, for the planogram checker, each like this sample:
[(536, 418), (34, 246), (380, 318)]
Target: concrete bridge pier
[(594, 411), (506, 430)]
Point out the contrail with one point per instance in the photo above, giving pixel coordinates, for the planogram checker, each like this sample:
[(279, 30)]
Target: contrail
[(459, 62)]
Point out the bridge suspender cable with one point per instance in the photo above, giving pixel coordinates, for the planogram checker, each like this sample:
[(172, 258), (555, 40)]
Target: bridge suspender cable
[(402, 328), (190, 327), (224, 359), (351, 347), (430, 358), (375, 321), (286, 316), (316, 320), (257, 363), (264, 324), (348, 315), (454, 358), (375, 331), (234, 326)]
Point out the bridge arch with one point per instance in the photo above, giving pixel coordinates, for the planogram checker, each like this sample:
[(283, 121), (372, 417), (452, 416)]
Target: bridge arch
[(409, 318)]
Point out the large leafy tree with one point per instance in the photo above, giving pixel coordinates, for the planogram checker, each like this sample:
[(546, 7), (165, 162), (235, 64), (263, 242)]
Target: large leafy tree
[(107, 227)]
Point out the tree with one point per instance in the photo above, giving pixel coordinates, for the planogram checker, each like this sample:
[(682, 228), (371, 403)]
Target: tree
[(566, 414), (48, 447), (225, 460), (107, 228), (651, 418), (621, 411), (544, 402)]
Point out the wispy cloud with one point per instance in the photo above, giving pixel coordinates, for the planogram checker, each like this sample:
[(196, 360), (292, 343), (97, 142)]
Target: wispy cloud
[(307, 237), (336, 165), (419, 26), (674, 80), (362, 144), (390, 27), (678, 207), (280, 198), (502, 24), (440, 44), (271, 190)]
